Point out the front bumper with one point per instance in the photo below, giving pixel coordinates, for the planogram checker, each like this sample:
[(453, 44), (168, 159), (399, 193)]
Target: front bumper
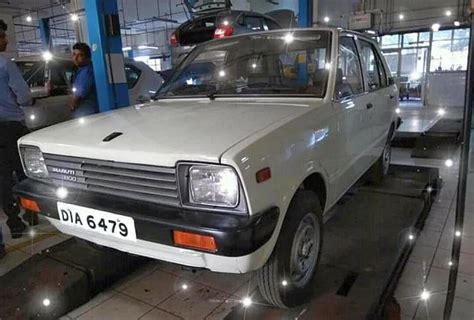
[(235, 235)]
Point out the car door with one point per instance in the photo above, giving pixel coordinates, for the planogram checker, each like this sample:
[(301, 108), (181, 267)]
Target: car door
[(351, 103), (381, 96)]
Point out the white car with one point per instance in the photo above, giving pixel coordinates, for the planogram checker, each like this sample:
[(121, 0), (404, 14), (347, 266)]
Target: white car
[(248, 145), (50, 84)]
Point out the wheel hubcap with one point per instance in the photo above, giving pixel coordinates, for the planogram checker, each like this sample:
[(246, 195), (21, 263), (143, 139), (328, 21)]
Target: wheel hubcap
[(305, 250)]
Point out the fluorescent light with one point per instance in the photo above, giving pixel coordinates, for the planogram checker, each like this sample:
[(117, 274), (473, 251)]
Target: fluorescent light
[(146, 47), (126, 48), (371, 32), (435, 27), (47, 56)]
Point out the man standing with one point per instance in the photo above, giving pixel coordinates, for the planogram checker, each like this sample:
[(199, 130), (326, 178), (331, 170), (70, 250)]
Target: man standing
[(14, 92), (84, 96)]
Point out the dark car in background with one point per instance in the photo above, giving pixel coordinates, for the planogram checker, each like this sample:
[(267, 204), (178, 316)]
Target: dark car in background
[(221, 23)]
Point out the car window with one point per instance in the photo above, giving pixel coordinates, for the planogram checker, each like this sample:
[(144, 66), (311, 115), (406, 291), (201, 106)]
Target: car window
[(271, 24), (348, 75), (33, 72), (372, 67), (132, 74), (253, 23), (257, 64)]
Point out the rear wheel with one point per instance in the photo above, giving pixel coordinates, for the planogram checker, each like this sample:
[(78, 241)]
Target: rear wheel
[(286, 280)]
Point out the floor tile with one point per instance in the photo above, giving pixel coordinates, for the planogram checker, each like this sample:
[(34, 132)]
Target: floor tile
[(154, 288), (432, 309), (136, 275), (422, 254), (194, 303), (224, 282), (429, 238), (414, 274), (157, 314), (443, 257), (178, 270), (34, 246), (434, 224), (12, 260), (94, 302), (118, 307), (462, 309), (407, 296)]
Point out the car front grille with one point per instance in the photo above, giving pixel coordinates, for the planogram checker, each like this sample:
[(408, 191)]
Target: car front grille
[(133, 181)]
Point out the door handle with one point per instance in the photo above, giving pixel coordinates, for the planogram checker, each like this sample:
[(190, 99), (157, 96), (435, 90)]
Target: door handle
[(370, 105), (392, 96)]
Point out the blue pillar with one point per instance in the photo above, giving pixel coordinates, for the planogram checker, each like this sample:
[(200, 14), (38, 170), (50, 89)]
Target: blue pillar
[(131, 54), (45, 33), (305, 13), (107, 56)]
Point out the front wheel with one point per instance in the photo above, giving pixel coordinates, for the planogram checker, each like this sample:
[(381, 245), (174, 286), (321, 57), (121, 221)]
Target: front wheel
[(286, 280)]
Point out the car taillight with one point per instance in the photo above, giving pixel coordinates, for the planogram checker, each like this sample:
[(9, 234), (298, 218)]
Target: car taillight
[(223, 31), (174, 40)]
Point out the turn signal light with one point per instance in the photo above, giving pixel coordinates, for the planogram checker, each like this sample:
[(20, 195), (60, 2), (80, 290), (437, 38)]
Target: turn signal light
[(28, 204), (194, 241), (174, 40), (264, 175), (223, 31)]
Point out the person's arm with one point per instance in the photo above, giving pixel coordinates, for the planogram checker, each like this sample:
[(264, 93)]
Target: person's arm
[(18, 85)]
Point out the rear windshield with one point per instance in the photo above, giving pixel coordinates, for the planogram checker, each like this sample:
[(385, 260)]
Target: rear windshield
[(33, 72), (197, 31)]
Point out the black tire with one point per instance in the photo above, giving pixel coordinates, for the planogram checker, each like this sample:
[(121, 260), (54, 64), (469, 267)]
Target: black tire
[(304, 210), (379, 170)]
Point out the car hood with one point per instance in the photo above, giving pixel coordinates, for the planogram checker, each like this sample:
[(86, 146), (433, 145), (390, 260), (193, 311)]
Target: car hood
[(165, 132)]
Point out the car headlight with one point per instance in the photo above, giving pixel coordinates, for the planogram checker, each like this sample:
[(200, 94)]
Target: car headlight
[(214, 186), (33, 161)]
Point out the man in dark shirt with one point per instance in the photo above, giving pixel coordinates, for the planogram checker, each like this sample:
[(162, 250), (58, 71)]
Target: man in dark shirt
[(84, 96), (14, 93)]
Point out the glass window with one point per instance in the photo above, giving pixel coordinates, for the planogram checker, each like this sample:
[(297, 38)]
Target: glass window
[(442, 35), (33, 72), (424, 38), (349, 75), (451, 53), (410, 40), (253, 23), (391, 41), (392, 61), (263, 64), (272, 25), (372, 66), (461, 34), (132, 74)]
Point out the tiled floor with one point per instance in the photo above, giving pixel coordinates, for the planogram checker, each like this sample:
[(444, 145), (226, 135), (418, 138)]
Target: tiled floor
[(429, 264)]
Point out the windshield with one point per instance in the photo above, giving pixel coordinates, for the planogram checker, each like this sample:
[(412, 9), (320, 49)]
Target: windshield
[(277, 63)]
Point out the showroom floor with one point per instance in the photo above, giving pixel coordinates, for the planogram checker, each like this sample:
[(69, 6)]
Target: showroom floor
[(161, 290)]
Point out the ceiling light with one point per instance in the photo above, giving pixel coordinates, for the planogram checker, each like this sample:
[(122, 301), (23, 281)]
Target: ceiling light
[(74, 17), (401, 16), (449, 163), (457, 23), (29, 19), (425, 295), (247, 302), (46, 302), (449, 13), (47, 56), (435, 27), (327, 19)]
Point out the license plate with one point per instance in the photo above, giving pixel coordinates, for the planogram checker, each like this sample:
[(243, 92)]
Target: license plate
[(103, 222)]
